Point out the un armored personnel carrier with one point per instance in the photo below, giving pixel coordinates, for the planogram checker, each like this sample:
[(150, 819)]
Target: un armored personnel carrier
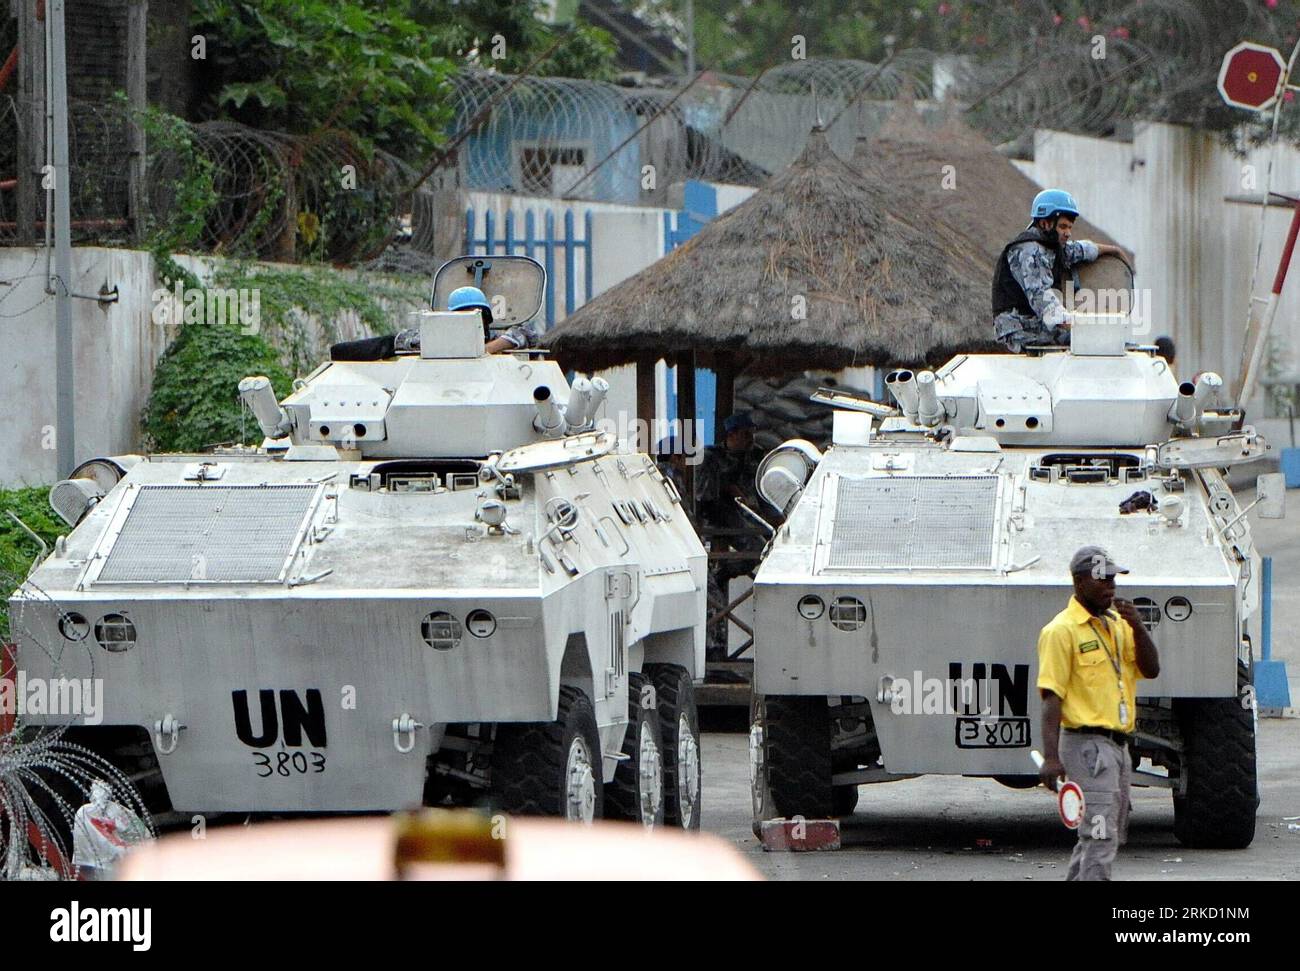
[(899, 603), (435, 581)]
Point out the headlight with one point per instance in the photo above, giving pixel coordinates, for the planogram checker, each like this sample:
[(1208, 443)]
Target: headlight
[(441, 631), (115, 633), (480, 623), (811, 607), (848, 613)]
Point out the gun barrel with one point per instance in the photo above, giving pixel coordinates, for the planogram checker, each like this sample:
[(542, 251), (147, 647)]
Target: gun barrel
[(1184, 410), (902, 386), (257, 393), (929, 412), (1208, 386), (549, 419)]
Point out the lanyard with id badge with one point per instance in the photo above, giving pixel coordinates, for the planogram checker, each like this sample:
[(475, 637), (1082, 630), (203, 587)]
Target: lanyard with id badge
[(1115, 664)]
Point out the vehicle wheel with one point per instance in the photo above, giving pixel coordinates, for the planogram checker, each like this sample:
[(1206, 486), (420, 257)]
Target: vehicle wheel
[(637, 792), (844, 799), (797, 737), (1217, 809), (680, 725), (759, 790), (1017, 781), (551, 768)]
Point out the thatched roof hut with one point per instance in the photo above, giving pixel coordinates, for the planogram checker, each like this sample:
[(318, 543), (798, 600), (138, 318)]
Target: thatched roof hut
[(982, 196), (813, 271)]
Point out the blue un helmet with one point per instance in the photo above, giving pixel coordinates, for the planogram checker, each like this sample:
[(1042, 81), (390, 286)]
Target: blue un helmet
[(470, 298), (1053, 202)]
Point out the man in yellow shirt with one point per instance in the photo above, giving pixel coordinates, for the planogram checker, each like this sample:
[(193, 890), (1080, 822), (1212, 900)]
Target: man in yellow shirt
[(1089, 660)]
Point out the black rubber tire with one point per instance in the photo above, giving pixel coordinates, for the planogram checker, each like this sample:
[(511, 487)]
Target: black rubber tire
[(760, 793), (1218, 763), (797, 739), (529, 759), (1018, 781), (675, 697), (845, 800), (623, 793)]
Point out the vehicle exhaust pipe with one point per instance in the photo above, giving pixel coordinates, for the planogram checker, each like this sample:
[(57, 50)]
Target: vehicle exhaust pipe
[(1184, 409), (257, 393), (929, 412), (549, 419), (902, 386)]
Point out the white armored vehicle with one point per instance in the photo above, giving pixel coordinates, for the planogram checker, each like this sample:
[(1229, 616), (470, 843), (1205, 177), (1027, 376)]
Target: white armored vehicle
[(898, 605), (436, 581)]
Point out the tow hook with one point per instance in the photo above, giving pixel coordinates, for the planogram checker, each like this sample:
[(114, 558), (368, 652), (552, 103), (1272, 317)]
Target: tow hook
[(405, 725), (885, 692), (170, 727)]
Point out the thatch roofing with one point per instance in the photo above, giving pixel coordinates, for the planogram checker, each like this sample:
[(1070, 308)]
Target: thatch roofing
[(874, 286), (989, 203)]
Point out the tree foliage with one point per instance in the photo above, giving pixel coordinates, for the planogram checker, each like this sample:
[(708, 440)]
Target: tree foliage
[(303, 65), (374, 68), (1163, 62), (195, 400), (466, 31)]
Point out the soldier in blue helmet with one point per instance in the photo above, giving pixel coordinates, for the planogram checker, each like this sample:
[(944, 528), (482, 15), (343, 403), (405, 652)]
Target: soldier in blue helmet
[(408, 341), (1031, 272), (472, 298)]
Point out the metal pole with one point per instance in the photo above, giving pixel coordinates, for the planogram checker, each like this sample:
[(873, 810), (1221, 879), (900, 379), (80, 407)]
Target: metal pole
[(1266, 611), (137, 17), (690, 38), (65, 425)]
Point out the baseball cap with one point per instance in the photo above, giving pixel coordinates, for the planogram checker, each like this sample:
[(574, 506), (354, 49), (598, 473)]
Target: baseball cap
[(1093, 559)]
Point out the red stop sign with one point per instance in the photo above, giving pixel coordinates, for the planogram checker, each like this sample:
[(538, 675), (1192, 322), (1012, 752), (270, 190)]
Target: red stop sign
[(1251, 76)]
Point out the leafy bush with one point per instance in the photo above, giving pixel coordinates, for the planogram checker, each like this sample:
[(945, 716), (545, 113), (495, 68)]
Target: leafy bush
[(195, 399), (17, 549)]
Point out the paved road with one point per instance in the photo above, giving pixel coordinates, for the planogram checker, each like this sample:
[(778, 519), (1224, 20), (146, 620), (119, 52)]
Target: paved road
[(928, 828)]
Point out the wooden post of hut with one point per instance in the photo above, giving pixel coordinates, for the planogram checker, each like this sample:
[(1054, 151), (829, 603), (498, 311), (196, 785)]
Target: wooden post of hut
[(645, 399), (685, 413), (724, 368)]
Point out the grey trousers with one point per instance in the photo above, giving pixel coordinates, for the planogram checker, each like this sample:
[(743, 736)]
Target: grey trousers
[(1101, 768)]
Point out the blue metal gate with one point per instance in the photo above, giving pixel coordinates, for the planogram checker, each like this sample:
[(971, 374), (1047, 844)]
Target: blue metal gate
[(509, 243), (700, 204)]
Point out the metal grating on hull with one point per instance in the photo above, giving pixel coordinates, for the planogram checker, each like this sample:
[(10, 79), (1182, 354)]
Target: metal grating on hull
[(914, 523), (210, 533)]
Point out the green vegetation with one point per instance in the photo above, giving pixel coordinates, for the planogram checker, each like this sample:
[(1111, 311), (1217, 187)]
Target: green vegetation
[(195, 404), (378, 70), (17, 549), (285, 296)]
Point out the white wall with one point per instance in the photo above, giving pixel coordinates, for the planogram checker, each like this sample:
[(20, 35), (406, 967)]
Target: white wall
[(1162, 195), (116, 349)]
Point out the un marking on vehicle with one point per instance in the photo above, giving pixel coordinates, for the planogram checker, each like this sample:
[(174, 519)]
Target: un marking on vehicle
[(996, 703), (286, 724)]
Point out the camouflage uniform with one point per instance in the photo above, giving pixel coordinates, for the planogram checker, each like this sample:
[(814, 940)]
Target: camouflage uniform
[(1031, 265)]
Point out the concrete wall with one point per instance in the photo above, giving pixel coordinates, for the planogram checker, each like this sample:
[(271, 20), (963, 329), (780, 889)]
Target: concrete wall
[(1162, 195), (116, 349)]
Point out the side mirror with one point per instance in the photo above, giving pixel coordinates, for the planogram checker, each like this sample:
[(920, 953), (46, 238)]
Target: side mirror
[(1270, 495)]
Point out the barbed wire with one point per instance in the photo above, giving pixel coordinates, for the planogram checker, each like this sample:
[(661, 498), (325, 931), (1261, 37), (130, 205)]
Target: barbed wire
[(327, 197)]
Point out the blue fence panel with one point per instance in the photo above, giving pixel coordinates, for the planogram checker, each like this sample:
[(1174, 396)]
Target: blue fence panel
[(543, 250)]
